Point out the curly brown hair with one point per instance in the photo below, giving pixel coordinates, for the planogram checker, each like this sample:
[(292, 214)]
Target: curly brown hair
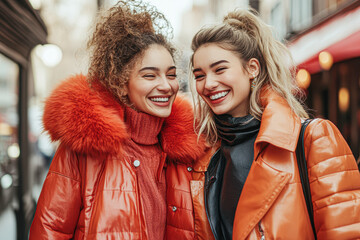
[(121, 36)]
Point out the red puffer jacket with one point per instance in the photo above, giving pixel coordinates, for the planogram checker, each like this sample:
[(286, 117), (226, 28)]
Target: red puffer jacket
[(271, 205), (91, 192)]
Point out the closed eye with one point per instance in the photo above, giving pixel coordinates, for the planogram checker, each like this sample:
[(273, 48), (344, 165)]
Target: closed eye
[(220, 69), (199, 77), (172, 76), (149, 76)]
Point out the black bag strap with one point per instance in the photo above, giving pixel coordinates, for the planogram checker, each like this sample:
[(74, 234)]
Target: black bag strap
[(301, 160)]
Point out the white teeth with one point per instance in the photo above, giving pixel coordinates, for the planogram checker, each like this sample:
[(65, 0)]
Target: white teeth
[(219, 95), (160, 99)]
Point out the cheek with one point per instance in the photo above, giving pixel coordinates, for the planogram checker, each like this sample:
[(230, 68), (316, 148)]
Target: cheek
[(174, 85), (136, 94), (133, 91), (199, 86)]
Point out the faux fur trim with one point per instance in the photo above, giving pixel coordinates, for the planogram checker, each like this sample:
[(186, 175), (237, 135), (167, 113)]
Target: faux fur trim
[(178, 138), (78, 117), (90, 121)]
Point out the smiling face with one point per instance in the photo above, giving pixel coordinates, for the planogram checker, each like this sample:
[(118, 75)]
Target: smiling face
[(153, 85), (222, 81)]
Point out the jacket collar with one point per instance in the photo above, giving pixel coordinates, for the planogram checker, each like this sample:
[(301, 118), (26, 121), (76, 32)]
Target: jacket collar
[(280, 126), (92, 121)]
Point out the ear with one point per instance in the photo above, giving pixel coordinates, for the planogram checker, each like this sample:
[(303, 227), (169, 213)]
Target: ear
[(253, 68)]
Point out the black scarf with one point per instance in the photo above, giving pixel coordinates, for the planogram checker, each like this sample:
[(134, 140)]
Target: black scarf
[(234, 130), (238, 136)]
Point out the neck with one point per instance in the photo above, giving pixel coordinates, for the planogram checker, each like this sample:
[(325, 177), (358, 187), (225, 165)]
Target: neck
[(142, 127)]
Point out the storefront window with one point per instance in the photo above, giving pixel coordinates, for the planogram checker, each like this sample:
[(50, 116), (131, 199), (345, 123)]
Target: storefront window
[(9, 120)]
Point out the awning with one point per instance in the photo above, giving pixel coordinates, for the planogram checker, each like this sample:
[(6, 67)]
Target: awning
[(21, 29), (339, 36)]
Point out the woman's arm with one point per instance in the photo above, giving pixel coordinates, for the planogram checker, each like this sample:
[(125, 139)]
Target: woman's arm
[(334, 181), (59, 203)]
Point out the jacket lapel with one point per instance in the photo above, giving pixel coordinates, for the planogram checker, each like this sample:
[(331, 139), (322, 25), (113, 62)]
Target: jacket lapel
[(262, 187), (280, 128)]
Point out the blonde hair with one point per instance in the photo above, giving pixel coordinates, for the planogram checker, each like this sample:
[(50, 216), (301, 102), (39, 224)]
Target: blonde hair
[(246, 35)]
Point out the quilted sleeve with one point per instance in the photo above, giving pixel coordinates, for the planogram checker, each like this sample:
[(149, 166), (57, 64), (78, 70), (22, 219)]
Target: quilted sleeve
[(334, 181), (59, 203)]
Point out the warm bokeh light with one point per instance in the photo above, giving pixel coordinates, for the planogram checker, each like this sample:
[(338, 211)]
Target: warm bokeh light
[(5, 129), (325, 60), (303, 78), (344, 99)]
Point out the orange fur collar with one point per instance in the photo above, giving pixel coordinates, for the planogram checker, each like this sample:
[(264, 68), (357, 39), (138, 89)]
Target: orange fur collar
[(91, 122)]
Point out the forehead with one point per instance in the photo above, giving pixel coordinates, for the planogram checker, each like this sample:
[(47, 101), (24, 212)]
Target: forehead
[(210, 53), (156, 56)]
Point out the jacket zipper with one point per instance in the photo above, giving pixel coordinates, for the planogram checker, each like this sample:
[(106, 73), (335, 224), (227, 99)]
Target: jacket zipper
[(261, 231)]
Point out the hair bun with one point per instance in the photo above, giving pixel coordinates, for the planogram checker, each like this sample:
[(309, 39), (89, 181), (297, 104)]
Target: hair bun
[(242, 20)]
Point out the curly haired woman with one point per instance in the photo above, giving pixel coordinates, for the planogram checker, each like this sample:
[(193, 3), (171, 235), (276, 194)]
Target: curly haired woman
[(126, 144)]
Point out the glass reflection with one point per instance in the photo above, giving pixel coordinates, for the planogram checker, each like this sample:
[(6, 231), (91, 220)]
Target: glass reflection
[(9, 120)]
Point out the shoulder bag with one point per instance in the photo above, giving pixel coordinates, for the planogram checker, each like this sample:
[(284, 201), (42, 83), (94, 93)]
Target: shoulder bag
[(301, 160)]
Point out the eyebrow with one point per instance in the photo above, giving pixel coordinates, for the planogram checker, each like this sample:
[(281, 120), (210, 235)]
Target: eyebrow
[(211, 65), (155, 68)]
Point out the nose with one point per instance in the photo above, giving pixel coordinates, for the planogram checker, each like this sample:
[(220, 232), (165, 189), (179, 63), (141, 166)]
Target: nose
[(210, 82), (164, 84)]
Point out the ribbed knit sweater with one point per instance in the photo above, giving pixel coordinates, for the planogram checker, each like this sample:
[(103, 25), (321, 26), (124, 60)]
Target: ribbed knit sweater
[(144, 146)]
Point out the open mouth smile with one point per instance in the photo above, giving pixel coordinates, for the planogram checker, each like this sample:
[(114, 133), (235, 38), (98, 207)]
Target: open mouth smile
[(218, 95), (159, 99)]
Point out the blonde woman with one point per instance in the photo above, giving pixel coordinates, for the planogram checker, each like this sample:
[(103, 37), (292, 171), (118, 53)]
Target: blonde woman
[(247, 107)]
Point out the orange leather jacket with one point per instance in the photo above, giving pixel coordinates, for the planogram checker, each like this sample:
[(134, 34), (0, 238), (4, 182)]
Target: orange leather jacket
[(91, 190), (271, 205)]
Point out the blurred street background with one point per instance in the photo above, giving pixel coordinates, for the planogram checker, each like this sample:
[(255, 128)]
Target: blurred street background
[(44, 41)]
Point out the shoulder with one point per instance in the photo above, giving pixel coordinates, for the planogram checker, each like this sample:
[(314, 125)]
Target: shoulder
[(324, 134), (319, 128), (326, 148), (65, 163)]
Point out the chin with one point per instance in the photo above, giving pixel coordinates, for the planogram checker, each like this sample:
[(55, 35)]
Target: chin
[(162, 114), (219, 111)]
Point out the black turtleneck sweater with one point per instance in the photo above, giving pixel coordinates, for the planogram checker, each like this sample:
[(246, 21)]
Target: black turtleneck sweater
[(238, 136)]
